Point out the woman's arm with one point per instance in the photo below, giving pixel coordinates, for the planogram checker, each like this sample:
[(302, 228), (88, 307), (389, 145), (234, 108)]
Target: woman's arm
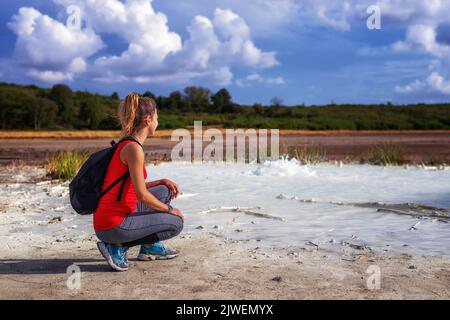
[(170, 184), (155, 183), (133, 156)]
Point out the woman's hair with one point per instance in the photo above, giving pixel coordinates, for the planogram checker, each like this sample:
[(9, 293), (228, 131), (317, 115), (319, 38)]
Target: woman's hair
[(133, 110)]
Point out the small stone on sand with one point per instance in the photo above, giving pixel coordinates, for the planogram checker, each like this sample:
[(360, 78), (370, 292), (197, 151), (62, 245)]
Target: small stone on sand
[(276, 279), (55, 220)]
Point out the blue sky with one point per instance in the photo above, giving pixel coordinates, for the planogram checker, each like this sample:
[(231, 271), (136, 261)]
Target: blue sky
[(302, 51)]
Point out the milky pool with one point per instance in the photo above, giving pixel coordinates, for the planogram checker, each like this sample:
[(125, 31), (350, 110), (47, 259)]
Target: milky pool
[(326, 205), (274, 204)]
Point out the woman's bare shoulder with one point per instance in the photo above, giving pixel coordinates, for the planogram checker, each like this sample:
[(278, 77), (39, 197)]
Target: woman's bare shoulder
[(131, 151)]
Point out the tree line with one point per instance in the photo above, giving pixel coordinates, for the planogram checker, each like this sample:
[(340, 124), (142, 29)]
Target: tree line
[(59, 108)]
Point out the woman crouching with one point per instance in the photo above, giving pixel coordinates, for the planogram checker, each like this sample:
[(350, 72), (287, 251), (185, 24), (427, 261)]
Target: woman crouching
[(143, 216)]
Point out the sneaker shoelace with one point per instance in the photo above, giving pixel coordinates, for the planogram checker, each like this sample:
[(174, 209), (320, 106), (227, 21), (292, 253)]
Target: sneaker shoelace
[(120, 252), (125, 254), (163, 249)]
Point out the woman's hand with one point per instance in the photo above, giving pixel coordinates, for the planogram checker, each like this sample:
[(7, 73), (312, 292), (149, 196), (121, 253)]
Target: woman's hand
[(177, 212), (172, 186)]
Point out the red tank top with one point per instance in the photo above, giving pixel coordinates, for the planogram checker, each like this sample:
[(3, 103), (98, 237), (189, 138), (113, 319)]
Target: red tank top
[(110, 213)]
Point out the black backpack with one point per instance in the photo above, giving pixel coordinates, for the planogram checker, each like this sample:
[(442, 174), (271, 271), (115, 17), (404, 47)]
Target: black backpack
[(86, 187)]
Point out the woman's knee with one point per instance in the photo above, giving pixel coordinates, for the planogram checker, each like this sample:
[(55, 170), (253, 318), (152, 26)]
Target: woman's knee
[(171, 231), (162, 192), (177, 226)]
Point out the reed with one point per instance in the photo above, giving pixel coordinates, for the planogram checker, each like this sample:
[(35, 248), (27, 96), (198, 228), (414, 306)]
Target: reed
[(310, 154), (385, 154), (65, 164)]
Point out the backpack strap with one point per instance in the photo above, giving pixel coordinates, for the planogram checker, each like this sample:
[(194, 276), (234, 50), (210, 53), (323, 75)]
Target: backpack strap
[(119, 196), (127, 138), (123, 177)]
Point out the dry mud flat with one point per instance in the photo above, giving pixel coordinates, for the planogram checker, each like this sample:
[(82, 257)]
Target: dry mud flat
[(418, 146), (211, 268)]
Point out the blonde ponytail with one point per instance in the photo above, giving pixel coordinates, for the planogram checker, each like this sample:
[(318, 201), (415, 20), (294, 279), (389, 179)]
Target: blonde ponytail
[(132, 110), (127, 113)]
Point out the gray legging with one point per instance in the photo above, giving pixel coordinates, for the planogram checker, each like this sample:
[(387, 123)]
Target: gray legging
[(145, 226)]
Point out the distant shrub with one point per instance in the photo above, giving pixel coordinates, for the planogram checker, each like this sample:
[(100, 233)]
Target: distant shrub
[(59, 108)]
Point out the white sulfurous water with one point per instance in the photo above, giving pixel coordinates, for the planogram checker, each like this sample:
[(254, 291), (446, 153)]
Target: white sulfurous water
[(275, 204), (326, 205)]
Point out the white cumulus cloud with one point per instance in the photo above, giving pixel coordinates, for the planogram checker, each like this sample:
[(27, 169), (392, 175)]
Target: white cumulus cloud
[(52, 52), (434, 83), (257, 78), (212, 49), (48, 49), (423, 38)]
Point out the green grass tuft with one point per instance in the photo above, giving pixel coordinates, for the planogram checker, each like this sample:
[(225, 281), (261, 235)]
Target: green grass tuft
[(386, 154), (310, 154), (64, 165)]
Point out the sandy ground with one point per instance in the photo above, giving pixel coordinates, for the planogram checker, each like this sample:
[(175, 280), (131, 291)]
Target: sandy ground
[(418, 146), (212, 268)]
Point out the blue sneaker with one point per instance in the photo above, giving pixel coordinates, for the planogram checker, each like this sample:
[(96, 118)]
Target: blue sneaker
[(156, 251), (116, 256)]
